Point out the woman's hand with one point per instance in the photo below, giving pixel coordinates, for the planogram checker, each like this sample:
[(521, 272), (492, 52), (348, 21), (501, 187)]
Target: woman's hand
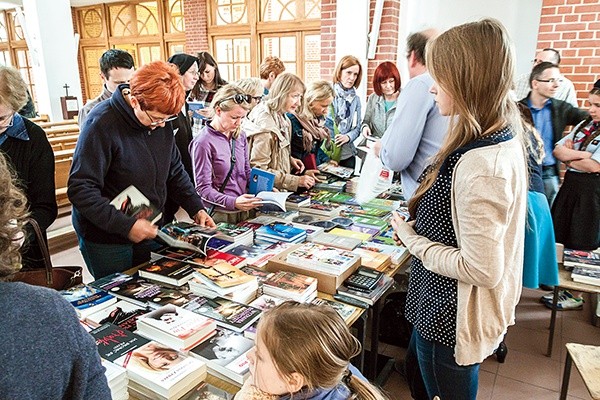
[(306, 181), (203, 219), (142, 230), (341, 140), (314, 173), (366, 131), (297, 165), (247, 202), (398, 223)]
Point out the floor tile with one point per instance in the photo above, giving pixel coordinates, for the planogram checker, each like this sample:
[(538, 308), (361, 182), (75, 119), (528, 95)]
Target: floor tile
[(506, 388), (537, 370)]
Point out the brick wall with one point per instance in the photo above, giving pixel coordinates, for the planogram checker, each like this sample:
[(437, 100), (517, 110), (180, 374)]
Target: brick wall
[(573, 28), (328, 15), (387, 45), (196, 25)]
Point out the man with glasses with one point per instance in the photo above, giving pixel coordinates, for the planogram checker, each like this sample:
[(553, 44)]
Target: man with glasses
[(566, 90), (128, 141), (550, 117)]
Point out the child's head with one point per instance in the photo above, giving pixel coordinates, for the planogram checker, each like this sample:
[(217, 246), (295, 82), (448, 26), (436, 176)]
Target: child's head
[(305, 346)]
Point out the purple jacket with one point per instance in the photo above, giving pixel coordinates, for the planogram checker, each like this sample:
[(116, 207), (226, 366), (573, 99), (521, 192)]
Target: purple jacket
[(211, 160)]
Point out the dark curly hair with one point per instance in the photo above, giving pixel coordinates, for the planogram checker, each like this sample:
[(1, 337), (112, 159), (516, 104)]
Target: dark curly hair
[(13, 214)]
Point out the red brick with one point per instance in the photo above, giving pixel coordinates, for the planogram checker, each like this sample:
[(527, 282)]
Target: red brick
[(585, 43), (565, 10), (581, 70), (570, 27), (585, 52), (549, 10), (573, 1), (569, 35), (588, 17), (586, 35), (547, 37), (550, 19), (571, 18), (587, 9)]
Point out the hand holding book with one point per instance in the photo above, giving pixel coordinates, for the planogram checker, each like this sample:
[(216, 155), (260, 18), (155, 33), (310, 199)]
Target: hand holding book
[(247, 202), (141, 230)]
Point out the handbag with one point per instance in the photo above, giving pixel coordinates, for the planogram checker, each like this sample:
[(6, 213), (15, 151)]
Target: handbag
[(59, 278)]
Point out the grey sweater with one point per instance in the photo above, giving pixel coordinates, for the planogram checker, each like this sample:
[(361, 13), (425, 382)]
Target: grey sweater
[(45, 352)]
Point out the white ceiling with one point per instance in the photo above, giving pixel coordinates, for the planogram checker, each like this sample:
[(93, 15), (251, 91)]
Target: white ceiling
[(8, 4)]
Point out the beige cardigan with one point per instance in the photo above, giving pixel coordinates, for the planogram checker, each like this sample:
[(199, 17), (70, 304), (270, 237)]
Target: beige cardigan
[(489, 195), (269, 137)]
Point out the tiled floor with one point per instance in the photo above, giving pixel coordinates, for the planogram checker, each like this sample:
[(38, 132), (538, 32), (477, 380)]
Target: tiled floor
[(527, 372)]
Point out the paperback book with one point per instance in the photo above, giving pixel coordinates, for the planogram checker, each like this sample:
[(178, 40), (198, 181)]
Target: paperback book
[(123, 314), (235, 233), (327, 259), (344, 310), (385, 237), (87, 300), (274, 233), (277, 199), (373, 259), (581, 258), (350, 233), (228, 313), (260, 181), (336, 170), (397, 253), (341, 242), (323, 209), (168, 270), (588, 275), (290, 285), (221, 274), (133, 203), (206, 391), (187, 236), (295, 201)]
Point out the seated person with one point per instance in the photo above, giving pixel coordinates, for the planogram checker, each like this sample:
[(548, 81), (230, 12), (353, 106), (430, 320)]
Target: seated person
[(269, 134), (220, 155), (128, 140), (303, 351)]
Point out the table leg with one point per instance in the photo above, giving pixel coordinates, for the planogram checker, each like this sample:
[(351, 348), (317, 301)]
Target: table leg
[(552, 322), (566, 376), (361, 334)]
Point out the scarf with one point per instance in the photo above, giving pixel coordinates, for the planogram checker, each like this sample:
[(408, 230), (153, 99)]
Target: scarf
[(313, 130), (343, 101)]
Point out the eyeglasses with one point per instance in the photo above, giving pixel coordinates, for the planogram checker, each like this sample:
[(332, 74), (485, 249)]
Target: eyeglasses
[(258, 99), (197, 73), (7, 120), (159, 122), (238, 99), (551, 80)]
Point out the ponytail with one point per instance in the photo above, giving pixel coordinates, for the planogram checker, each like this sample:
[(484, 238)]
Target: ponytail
[(361, 390)]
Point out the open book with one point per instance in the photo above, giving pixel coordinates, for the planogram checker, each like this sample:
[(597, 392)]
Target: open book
[(186, 235), (133, 203), (277, 199)]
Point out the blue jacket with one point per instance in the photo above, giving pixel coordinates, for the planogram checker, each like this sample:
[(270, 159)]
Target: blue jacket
[(115, 151)]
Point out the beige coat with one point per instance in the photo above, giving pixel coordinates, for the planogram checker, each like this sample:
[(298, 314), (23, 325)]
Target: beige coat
[(269, 140), (489, 195)]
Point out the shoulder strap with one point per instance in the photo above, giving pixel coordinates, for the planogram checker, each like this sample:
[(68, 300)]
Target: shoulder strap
[(211, 210)]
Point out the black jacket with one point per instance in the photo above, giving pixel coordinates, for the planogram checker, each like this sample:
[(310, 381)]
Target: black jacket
[(115, 151)]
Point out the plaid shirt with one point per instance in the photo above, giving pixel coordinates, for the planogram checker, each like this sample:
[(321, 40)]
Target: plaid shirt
[(565, 92)]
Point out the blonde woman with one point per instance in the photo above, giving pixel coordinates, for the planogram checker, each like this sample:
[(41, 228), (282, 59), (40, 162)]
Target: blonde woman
[(253, 87), (269, 134), (303, 351), (220, 155), (308, 124), (469, 214)]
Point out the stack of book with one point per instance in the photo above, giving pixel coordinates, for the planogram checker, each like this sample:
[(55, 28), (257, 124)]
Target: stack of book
[(277, 232), (289, 285), (362, 236), (154, 370), (330, 260), (223, 279), (243, 293), (397, 253), (168, 270), (234, 233), (588, 275), (295, 201), (311, 230), (332, 184), (373, 259), (225, 355), (176, 327), (122, 314), (87, 300), (326, 210), (367, 296), (258, 256), (581, 258), (220, 244), (117, 380), (227, 313), (352, 185), (341, 242)]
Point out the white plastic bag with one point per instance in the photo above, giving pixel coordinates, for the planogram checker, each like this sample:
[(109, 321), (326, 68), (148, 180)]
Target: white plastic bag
[(374, 179)]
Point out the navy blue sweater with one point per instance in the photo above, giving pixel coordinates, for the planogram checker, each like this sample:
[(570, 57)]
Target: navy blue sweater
[(45, 353), (115, 151)]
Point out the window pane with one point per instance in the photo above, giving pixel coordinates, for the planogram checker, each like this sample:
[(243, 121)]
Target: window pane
[(283, 47), (149, 53), (5, 58), (233, 57), (278, 10), (176, 48), (231, 12), (176, 22), (147, 18), (91, 21), (122, 19), (3, 31), (312, 9), (312, 58), (18, 31)]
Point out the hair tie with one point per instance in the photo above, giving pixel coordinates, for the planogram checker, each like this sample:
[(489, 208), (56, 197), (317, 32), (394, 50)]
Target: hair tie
[(347, 377)]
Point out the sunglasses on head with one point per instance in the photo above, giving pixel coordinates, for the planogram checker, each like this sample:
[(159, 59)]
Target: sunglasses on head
[(238, 99)]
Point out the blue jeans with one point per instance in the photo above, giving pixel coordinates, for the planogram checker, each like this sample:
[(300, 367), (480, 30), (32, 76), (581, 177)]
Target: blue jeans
[(441, 375), (551, 183), (103, 259)]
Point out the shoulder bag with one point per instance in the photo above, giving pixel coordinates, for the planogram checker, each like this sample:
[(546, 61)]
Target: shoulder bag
[(211, 210)]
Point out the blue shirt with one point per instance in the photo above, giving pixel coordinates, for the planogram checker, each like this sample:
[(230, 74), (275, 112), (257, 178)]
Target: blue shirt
[(542, 119), (17, 130)]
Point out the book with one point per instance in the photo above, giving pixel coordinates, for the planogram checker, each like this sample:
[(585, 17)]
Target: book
[(322, 209), (586, 274), (341, 242), (336, 170), (168, 270), (122, 314), (371, 231), (87, 300), (277, 199), (295, 201), (133, 203), (333, 185), (397, 253), (116, 377), (373, 259), (311, 230), (187, 236), (327, 259), (254, 255), (278, 232), (581, 258), (194, 107), (206, 391), (234, 233), (241, 293), (227, 313), (290, 285), (176, 327), (365, 211), (385, 237), (226, 354), (264, 303), (260, 181), (344, 310), (351, 234), (221, 274), (156, 367), (216, 243), (280, 215)]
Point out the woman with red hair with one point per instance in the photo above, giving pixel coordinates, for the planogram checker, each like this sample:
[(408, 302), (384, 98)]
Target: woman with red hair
[(128, 140), (381, 104)]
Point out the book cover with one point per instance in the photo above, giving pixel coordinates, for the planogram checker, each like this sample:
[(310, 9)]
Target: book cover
[(342, 242), (168, 270), (581, 258), (220, 244), (114, 342), (122, 314), (277, 199), (187, 236), (173, 253), (232, 232), (260, 181), (295, 284), (227, 313), (281, 232), (385, 237), (336, 170), (350, 233), (364, 211), (326, 258), (221, 273), (325, 209), (344, 310), (87, 299), (373, 259), (233, 259), (259, 274), (264, 302), (226, 353), (371, 231), (397, 253), (177, 322), (296, 200), (194, 107), (206, 391), (133, 203)]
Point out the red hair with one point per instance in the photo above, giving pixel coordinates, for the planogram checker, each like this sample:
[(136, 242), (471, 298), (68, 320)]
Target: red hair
[(384, 71), (158, 87)]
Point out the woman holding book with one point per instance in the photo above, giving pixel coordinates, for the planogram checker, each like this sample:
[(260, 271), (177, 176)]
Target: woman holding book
[(40, 324), (220, 157), (128, 141), (576, 210), (308, 124), (205, 89), (269, 134), (469, 214)]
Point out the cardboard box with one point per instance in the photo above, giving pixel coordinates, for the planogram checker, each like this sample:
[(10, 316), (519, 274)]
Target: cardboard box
[(326, 283)]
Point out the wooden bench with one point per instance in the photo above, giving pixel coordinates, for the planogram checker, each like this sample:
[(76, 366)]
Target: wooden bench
[(63, 142), (43, 118), (62, 130), (61, 178), (48, 124)]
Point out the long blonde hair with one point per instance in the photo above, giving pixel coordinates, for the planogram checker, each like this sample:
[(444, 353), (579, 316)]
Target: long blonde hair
[(317, 91), (474, 64), (315, 342), (282, 86)]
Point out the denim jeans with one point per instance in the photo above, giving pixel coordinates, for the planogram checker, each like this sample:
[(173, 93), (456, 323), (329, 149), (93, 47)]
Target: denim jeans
[(440, 373), (103, 259), (551, 183)]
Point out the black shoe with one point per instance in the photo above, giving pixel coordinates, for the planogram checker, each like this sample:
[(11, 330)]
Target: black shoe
[(501, 352), (546, 287)]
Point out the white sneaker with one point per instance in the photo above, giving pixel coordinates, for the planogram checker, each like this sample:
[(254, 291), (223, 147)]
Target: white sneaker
[(549, 296), (566, 301)]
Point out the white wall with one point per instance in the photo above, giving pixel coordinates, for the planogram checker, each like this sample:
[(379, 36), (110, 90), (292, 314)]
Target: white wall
[(521, 19), (53, 51)]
